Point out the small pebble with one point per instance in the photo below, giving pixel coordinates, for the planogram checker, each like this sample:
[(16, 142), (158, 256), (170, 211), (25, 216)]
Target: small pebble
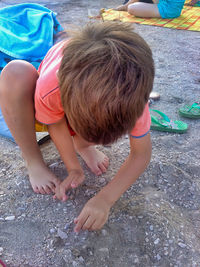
[(157, 241), (52, 230), (62, 234), (10, 218), (104, 232), (105, 250), (151, 227), (75, 264), (182, 245), (102, 180), (136, 260), (158, 257), (81, 259), (67, 225), (166, 253), (1, 250)]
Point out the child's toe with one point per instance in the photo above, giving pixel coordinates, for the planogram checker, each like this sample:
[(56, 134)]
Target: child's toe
[(47, 190), (51, 186), (106, 162), (102, 167), (36, 190), (42, 191)]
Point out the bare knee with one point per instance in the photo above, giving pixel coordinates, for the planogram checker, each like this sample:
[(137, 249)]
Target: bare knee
[(17, 78), (145, 10), (133, 9)]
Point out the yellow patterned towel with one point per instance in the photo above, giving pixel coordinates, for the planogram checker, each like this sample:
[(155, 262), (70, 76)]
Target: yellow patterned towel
[(39, 127), (189, 19)]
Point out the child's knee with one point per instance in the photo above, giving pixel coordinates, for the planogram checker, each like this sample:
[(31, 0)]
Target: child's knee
[(16, 74), (133, 9), (18, 70)]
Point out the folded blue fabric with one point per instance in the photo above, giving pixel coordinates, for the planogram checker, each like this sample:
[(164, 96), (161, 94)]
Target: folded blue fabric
[(27, 32)]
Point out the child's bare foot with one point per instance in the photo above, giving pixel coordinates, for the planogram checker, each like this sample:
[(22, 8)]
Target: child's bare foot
[(96, 160), (42, 180)]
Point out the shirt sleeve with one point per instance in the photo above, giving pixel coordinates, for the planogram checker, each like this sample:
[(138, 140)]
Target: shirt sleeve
[(142, 125), (49, 109)]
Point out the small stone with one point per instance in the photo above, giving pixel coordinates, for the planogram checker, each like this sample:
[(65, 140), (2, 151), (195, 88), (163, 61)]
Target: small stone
[(165, 252), (157, 241), (1, 250), (158, 257), (81, 259), (1, 192), (75, 264), (182, 245), (62, 234), (67, 225), (102, 180), (104, 232), (10, 218), (105, 250), (76, 253), (52, 230), (136, 260), (151, 227)]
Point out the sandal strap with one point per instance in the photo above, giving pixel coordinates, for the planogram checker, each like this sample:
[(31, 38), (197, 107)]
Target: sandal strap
[(195, 105), (164, 116), (157, 122)]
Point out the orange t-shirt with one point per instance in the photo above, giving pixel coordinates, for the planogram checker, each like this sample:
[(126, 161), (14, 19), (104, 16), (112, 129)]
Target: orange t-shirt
[(48, 106)]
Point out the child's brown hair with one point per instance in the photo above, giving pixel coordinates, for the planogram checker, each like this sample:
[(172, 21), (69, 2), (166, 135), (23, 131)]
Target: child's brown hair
[(105, 77)]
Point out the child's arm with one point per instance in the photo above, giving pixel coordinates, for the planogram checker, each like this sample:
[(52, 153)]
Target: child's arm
[(95, 212), (61, 137)]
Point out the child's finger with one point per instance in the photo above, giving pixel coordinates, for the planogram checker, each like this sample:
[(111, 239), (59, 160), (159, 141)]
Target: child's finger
[(75, 220), (63, 195), (88, 223), (96, 226), (65, 198), (66, 185), (76, 182), (81, 220)]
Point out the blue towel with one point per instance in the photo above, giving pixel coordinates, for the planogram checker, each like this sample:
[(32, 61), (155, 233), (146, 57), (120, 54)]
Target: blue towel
[(27, 32)]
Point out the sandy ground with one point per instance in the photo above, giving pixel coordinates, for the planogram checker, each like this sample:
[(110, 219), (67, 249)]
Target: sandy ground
[(156, 222)]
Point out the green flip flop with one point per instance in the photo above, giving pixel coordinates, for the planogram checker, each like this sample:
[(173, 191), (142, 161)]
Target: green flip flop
[(164, 124), (190, 111)]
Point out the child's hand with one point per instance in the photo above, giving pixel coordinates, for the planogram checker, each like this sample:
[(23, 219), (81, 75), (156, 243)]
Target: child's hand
[(93, 216), (73, 180)]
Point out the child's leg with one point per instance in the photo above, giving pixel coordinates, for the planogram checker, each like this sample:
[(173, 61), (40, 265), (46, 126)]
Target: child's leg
[(95, 159), (124, 7), (17, 87), (145, 10)]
